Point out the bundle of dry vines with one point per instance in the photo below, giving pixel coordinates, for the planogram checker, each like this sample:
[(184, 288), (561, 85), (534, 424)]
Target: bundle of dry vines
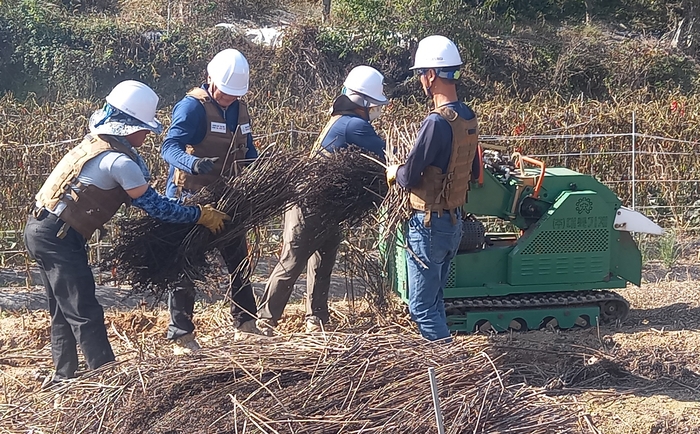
[(375, 382), (342, 187)]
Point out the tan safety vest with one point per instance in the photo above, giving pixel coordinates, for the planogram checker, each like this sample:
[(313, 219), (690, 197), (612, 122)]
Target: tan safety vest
[(439, 191), (90, 207), (317, 148), (219, 141)]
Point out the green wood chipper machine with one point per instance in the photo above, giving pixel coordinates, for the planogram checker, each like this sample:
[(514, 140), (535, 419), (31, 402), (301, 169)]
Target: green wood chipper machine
[(570, 243)]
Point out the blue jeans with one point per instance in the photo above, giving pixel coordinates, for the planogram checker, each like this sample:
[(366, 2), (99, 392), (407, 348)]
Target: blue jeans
[(428, 267)]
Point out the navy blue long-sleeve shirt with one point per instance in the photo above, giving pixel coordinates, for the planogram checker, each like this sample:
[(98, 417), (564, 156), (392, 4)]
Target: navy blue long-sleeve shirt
[(188, 127), (353, 130), (433, 147)]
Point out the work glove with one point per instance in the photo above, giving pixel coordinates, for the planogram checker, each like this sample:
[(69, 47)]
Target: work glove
[(391, 173), (202, 166), (212, 218)]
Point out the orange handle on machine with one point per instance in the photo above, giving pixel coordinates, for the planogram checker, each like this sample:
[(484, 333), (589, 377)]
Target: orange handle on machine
[(519, 159)]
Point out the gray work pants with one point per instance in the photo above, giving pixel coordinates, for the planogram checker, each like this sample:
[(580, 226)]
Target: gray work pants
[(306, 243), (76, 316)]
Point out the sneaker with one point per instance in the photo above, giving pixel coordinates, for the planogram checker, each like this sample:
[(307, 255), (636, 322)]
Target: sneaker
[(313, 324), (185, 344), (266, 327), (243, 331)]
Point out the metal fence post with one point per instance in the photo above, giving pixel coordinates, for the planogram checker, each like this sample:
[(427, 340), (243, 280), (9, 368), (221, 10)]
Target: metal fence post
[(634, 150), (436, 401)]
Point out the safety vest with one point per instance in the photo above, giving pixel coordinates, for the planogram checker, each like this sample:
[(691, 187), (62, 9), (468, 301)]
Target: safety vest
[(219, 141), (318, 148), (90, 207), (439, 191)]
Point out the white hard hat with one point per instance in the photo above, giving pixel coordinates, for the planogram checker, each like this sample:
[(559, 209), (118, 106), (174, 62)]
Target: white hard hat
[(137, 100), (369, 83), (230, 72), (436, 52)]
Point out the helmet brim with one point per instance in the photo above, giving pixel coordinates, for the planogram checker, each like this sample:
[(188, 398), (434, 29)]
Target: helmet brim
[(122, 125), (232, 91), (414, 67), (376, 102)]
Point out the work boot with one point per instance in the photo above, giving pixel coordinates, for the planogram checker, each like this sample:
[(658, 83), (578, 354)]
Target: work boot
[(245, 330), (266, 327), (185, 344), (313, 324)]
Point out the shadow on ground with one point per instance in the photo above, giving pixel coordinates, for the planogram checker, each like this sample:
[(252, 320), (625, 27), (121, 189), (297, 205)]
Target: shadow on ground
[(19, 293)]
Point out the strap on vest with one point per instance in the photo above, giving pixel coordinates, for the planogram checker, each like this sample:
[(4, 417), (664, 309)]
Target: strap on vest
[(427, 218)]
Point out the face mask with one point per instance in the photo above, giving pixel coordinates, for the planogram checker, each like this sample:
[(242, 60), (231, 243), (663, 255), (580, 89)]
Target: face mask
[(375, 112)]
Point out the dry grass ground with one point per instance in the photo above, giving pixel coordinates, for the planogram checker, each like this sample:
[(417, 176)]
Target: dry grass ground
[(641, 376)]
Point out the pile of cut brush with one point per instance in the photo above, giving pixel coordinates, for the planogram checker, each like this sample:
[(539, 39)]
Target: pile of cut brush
[(321, 383), (154, 256)]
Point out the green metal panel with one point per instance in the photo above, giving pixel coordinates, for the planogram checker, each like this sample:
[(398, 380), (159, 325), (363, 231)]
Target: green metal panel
[(559, 179), (626, 258), (401, 272), (492, 199), (480, 268), (495, 198), (570, 243), (395, 256)]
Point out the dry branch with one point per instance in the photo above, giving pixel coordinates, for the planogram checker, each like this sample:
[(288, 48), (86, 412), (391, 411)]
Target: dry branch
[(335, 383)]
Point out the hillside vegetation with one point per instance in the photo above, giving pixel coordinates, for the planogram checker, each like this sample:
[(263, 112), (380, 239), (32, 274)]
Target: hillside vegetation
[(81, 48)]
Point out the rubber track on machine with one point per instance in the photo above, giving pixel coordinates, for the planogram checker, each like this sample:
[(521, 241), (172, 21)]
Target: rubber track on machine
[(461, 306)]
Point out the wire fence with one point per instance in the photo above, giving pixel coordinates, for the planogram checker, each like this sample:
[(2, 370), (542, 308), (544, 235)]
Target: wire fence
[(668, 212)]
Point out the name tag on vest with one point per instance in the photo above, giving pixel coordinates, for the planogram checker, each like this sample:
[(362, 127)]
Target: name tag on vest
[(245, 128), (218, 127)]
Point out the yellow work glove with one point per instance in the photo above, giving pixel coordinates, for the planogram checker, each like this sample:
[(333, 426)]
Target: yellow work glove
[(212, 218), (391, 173)]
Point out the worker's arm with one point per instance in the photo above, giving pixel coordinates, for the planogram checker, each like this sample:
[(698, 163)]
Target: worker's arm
[(361, 133), (129, 176), (162, 208), (431, 141), (188, 127)]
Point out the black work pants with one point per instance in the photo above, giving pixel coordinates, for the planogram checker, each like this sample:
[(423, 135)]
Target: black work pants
[(240, 292), (76, 316)]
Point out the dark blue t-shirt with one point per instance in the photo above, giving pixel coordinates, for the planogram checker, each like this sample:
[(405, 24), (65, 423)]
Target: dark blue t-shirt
[(353, 130), (433, 147), (188, 127)]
